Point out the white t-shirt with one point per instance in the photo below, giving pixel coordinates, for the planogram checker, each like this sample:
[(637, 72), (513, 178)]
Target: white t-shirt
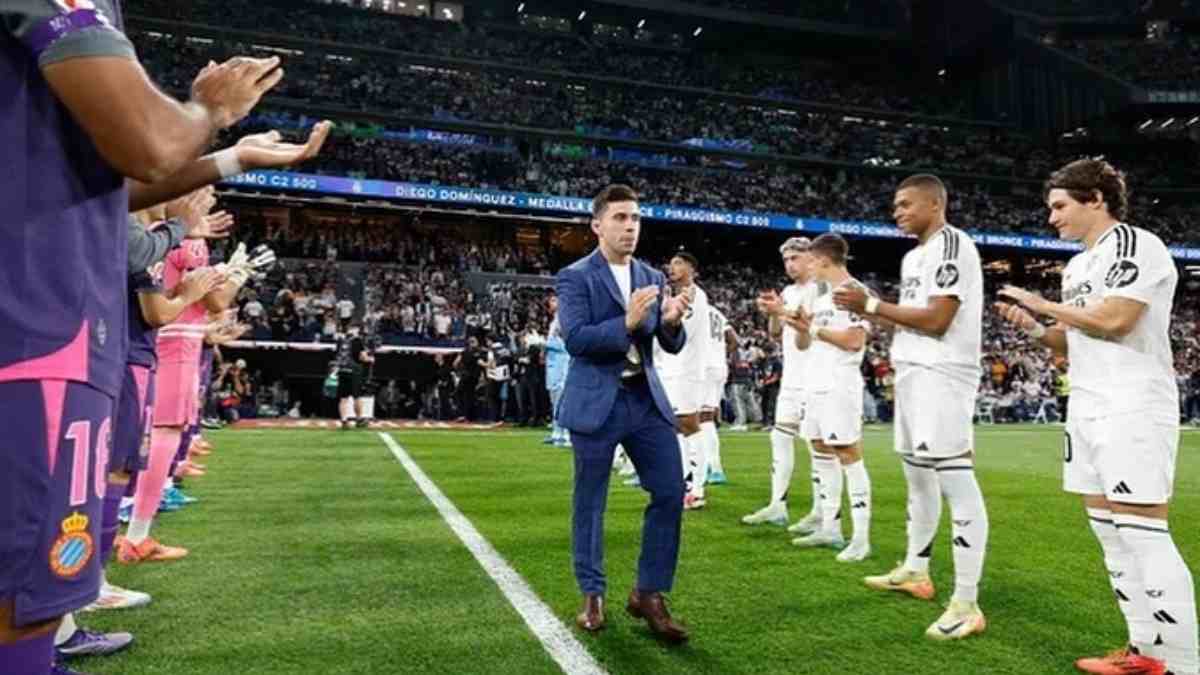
[(796, 360), (831, 367), (623, 273), (717, 370), (1136, 372), (441, 324), (624, 280), (690, 361), (345, 309), (947, 264)]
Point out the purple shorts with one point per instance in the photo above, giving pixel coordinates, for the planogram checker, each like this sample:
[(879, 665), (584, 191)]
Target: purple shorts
[(53, 474), (132, 424)]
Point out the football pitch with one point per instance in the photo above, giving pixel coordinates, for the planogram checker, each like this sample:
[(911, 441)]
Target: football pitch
[(316, 552)]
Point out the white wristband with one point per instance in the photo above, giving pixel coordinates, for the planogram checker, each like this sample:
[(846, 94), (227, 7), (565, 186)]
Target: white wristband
[(872, 306), (813, 329), (1036, 332), (227, 163)]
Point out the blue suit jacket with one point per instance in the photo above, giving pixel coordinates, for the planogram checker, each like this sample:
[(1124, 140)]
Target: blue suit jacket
[(591, 314)]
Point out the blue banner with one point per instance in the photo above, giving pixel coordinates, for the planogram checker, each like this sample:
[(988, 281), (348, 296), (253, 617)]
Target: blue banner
[(528, 201)]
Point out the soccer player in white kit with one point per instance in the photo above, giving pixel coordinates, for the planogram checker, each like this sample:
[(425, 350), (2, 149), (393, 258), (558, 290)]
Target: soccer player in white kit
[(723, 343), (790, 406), (835, 341), (936, 349), (683, 375), (1122, 431)]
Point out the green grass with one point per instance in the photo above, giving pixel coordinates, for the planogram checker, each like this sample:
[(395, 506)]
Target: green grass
[(314, 552)]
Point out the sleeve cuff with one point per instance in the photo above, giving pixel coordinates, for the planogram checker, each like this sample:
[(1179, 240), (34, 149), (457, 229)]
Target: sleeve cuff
[(80, 34)]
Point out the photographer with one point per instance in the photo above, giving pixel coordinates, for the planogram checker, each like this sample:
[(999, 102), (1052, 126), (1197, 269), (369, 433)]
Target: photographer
[(352, 359), (366, 400)]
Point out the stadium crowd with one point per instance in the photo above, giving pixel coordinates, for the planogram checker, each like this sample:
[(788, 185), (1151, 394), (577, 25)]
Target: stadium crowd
[(805, 192), (1169, 64), (819, 81), (606, 111)]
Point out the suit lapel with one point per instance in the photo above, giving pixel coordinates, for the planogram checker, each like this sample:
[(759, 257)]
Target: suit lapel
[(606, 276)]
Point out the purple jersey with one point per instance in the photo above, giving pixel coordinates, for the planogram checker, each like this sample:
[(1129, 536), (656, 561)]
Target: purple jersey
[(63, 232), (143, 337)]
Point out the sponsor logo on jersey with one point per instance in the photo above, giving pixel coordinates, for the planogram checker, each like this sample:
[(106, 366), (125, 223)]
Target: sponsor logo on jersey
[(947, 275), (1121, 274)]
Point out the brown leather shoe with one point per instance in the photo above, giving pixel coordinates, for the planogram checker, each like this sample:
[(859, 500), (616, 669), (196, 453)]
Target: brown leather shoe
[(653, 608), (591, 617)]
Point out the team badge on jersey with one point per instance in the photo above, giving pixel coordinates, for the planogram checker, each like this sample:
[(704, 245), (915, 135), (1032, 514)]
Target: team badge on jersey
[(1121, 274), (947, 275), (73, 548)]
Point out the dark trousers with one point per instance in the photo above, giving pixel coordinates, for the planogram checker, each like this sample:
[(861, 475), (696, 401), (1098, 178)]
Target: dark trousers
[(467, 398), (531, 392), (649, 440)]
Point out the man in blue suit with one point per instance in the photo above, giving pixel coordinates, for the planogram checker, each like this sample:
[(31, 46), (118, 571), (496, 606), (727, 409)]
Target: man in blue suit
[(610, 313)]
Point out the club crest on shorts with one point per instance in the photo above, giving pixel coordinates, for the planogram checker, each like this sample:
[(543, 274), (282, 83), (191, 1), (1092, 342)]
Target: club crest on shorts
[(73, 548)]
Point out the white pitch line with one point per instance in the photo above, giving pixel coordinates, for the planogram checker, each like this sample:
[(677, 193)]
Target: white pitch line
[(556, 638)]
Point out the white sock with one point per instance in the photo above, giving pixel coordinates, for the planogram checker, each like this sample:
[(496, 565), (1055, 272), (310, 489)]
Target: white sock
[(367, 405), (1170, 592), (831, 494), (924, 512), (698, 462), (126, 501), (815, 476), (138, 530), (66, 629), (346, 408), (858, 484), (712, 446), (684, 460), (1126, 580), (783, 461), (969, 534)]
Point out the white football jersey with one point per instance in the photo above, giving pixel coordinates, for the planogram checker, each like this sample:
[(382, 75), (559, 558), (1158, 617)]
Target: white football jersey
[(795, 360), (832, 367), (717, 369), (946, 264), (1136, 372), (691, 360)]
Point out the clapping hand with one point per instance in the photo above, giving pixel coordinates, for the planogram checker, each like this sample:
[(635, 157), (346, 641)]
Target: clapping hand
[(640, 302), (675, 308), (770, 303), (1027, 299), (268, 151), (851, 298)]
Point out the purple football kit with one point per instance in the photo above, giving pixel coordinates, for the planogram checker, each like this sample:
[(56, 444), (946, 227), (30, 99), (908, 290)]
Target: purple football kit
[(63, 332)]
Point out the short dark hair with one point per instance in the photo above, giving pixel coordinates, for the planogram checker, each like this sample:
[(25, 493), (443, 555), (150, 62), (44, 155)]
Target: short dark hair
[(616, 192), (688, 257), (831, 245), (1083, 178), (927, 182)]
